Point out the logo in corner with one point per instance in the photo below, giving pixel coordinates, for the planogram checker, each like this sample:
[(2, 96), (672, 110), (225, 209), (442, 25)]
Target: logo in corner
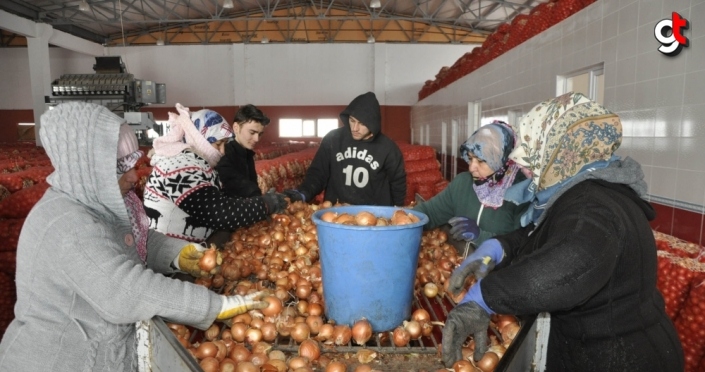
[(669, 32)]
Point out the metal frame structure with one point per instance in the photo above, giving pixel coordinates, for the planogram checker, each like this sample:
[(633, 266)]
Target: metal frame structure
[(144, 22)]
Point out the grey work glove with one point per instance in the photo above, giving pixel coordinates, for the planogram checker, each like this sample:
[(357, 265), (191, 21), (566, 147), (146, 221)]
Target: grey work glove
[(276, 202), (294, 195), (465, 320), (463, 228), (478, 263), (236, 305)]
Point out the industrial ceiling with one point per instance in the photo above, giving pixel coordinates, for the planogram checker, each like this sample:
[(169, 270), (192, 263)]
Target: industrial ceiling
[(150, 22)]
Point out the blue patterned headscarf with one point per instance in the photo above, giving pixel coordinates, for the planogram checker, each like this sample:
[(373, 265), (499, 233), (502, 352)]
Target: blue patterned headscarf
[(492, 143), (212, 125)]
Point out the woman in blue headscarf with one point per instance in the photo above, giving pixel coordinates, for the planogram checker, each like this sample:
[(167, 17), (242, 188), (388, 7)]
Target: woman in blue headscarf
[(586, 254), (473, 203)]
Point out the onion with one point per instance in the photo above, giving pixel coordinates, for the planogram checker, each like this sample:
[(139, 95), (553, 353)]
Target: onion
[(414, 329), (329, 216), (401, 337), (341, 334), (498, 349), (300, 332), (365, 218), (488, 362), (421, 315), (336, 367), (430, 290), (206, 349), (325, 333), (280, 365), (509, 331), (238, 331), (298, 362), (400, 218), (258, 359), (228, 365), (239, 353), (314, 323), (310, 349), (269, 331), (361, 331), (209, 260), (212, 332), (222, 350), (210, 364), (246, 367), (276, 355), (274, 307), (463, 366), (345, 219), (314, 308), (253, 335)]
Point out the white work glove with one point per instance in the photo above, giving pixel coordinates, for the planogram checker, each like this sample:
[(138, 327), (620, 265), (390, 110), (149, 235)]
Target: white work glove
[(235, 305)]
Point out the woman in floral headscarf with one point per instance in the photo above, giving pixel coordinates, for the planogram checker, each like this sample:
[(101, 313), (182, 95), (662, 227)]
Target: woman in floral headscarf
[(473, 202), (586, 254), (182, 196)]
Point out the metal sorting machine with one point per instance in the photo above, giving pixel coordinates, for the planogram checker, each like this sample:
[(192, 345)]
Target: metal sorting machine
[(113, 87), (159, 350)]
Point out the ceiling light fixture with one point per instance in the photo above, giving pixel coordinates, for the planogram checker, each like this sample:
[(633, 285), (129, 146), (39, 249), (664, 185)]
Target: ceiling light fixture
[(374, 4), (160, 41), (83, 6), (265, 40), (228, 4), (370, 39)]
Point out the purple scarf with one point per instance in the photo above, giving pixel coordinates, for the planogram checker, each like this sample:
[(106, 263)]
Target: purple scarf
[(140, 223)]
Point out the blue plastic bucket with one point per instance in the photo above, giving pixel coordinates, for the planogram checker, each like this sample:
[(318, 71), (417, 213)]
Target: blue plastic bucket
[(369, 272)]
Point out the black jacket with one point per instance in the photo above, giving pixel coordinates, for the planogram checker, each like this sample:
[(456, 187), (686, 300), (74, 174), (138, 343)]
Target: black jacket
[(364, 172), (236, 170), (591, 263)]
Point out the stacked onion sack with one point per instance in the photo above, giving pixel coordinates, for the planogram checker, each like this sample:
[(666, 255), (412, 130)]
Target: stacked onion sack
[(23, 170), (281, 256), (681, 280)]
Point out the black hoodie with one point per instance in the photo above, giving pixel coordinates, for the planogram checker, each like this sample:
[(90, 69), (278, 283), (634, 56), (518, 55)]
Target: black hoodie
[(359, 172)]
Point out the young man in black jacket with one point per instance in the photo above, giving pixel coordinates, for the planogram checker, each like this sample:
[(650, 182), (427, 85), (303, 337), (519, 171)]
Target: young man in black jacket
[(237, 167), (356, 164)]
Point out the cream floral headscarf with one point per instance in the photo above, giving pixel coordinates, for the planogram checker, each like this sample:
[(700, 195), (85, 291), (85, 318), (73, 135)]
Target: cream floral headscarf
[(562, 135)]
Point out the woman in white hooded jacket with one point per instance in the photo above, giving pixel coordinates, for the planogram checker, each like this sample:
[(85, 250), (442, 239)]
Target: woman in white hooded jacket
[(87, 267)]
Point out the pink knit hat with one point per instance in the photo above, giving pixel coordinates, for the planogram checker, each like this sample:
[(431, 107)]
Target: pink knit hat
[(128, 151)]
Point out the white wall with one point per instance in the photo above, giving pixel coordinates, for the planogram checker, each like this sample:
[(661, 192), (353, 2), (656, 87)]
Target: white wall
[(264, 74), (660, 99)]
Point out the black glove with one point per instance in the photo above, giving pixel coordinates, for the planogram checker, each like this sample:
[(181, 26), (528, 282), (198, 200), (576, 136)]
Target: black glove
[(276, 202), (294, 195), (464, 228), (466, 319)]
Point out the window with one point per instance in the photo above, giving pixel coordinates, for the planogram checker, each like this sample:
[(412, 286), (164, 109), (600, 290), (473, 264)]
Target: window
[(309, 129), (589, 81), (290, 128), (306, 128), (326, 125)]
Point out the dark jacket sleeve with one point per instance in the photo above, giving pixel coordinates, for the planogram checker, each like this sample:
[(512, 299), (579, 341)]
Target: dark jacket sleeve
[(397, 176), (573, 263), (219, 212), (318, 172), (234, 176)]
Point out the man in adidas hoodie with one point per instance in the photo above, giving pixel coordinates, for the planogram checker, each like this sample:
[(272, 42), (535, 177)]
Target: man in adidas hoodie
[(356, 164)]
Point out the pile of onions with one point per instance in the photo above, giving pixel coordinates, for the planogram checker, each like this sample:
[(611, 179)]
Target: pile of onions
[(281, 256)]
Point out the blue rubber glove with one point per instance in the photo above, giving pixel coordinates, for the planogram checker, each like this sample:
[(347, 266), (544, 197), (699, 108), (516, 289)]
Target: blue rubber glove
[(475, 295), (463, 228), (465, 319), (478, 263)]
